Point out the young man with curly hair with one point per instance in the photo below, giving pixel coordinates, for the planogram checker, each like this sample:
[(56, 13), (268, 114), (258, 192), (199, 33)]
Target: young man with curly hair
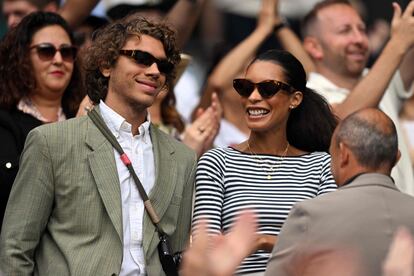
[(74, 208)]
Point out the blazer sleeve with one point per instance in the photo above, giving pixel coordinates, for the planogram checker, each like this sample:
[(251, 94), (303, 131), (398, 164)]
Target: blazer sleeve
[(28, 208), (290, 243), (182, 232)]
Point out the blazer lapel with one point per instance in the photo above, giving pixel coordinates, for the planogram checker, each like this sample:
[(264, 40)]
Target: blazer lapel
[(165, 181), (103, 167)]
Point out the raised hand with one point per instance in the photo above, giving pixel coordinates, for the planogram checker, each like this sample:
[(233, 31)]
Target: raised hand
[(268, 15), (201, 133), (402, 26)]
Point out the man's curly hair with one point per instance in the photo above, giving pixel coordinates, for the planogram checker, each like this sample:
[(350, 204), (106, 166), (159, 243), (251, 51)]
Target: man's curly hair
[(107, 43)]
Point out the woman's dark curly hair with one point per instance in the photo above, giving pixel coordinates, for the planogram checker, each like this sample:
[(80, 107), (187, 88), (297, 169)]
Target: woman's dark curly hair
[(311, 124), (169, 113), (17, 78), (107, 42)]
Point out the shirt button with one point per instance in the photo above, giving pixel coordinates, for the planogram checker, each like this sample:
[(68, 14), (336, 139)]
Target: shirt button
[(8, 165)]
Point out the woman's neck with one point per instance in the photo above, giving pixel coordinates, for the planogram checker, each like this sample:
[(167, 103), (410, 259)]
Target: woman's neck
[(274, 143), (49, 108)]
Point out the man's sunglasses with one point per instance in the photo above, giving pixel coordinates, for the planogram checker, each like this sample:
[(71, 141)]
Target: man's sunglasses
[(47, 51), (267, 89), (146, 59)]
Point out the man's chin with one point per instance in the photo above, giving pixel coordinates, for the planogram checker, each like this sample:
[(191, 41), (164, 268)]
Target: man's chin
[(356, 70)]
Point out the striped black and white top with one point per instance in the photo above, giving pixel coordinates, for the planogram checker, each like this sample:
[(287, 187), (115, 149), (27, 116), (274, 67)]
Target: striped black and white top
[(229, 181)]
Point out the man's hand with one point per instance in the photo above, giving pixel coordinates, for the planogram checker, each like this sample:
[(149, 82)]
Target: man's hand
[(402, 26)]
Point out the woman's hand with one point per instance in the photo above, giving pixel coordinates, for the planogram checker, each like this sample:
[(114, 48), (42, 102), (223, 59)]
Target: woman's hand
[(85, 104), (201, 133)]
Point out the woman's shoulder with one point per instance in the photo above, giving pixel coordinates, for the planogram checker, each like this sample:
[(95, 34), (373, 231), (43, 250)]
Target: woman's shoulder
[(18, 121), (312, 158), (222, 152), (313, 155)]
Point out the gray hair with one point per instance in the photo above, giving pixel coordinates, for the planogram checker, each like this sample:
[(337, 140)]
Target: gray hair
[(372, 139)]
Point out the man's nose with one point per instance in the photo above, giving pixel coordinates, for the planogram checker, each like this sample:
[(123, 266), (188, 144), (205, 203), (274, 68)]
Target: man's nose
[(13, 20)]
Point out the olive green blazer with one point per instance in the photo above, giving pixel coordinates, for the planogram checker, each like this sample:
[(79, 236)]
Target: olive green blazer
[(64, 215)]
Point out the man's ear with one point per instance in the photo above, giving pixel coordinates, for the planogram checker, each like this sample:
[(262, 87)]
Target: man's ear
[(106, 72), (344, 155), (51, 7), (313, 47), (397, 158)]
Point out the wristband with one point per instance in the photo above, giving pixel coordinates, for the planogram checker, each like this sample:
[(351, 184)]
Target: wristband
[(279, 26)]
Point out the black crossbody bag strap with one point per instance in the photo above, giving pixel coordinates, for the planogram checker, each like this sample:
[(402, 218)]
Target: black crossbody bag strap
[(100, 124)]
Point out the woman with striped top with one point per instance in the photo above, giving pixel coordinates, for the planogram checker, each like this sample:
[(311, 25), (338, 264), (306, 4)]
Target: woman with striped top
[(283, 161)]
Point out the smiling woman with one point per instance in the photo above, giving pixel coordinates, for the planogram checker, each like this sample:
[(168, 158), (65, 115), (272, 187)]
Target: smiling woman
[(284, 160), (39, 83)]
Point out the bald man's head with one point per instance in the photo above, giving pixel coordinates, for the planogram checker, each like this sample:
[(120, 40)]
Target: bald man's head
[(371, 136)]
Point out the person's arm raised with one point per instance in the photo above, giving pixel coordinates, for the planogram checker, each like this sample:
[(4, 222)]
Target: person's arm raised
[(291, 42), (75, 11), (237, 59), (369, 90), (184, 16)]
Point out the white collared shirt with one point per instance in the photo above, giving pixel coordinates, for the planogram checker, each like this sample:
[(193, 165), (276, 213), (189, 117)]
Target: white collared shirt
[(140, 152)]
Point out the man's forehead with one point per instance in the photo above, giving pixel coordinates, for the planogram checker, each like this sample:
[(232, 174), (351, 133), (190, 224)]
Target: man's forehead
[(146, 43), (19, 4), (339, 14)]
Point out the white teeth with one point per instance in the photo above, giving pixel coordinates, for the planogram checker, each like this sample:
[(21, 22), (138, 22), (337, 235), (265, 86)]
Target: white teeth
[(257, 112)]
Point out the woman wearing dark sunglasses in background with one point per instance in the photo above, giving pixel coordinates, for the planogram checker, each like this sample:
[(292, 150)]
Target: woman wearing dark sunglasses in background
[(283, 161), (39, 83)]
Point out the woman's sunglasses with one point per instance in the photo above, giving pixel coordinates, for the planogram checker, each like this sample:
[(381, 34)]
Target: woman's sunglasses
[(146, 59), (267, 89), (47, 51)]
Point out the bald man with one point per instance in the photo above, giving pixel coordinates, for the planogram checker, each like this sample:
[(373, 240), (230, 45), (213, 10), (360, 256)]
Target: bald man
[(355, 224)]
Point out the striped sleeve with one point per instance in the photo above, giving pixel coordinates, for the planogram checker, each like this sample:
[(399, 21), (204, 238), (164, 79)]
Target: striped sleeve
[(327, 182), (209, 190)]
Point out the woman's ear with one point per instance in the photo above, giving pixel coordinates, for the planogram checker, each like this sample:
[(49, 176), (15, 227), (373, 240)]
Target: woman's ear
[(295, 99)]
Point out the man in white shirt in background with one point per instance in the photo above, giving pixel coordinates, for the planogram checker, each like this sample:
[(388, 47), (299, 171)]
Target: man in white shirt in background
[(336, 53), (74, 208)]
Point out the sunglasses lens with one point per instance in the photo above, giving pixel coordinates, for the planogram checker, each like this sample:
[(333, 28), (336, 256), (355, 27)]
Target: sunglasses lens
[(243, 87), (147, 59), (68, 53), (165, 67), (268, 88), (46, 51), (143, 58)]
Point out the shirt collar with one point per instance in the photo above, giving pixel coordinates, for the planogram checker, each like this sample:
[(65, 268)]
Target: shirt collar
[(25, 105), (325, 84), (116, 123)]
